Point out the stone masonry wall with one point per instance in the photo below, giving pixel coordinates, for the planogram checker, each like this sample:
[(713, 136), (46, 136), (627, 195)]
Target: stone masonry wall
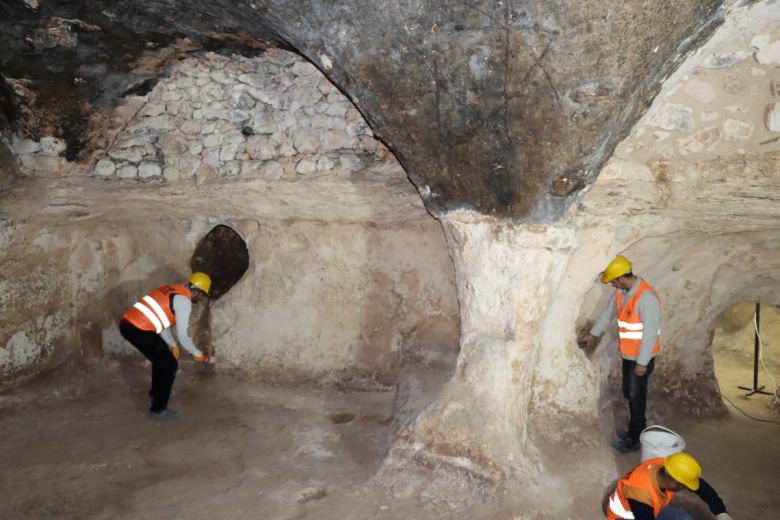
[(273, 116)]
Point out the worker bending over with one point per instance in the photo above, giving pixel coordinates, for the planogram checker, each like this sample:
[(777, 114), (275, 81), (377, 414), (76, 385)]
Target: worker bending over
[(147, 326), (644, 492)]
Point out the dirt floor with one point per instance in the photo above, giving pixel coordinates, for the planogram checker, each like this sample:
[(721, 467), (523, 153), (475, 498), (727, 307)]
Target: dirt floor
[(77, 444)]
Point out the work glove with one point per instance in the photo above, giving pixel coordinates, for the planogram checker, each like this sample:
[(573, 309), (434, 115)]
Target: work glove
[(205, 359), (175, 351), (723, 516)]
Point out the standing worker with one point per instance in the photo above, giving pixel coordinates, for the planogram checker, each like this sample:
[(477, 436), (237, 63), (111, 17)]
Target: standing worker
[(644, 492), (147, 326), (638, 310)]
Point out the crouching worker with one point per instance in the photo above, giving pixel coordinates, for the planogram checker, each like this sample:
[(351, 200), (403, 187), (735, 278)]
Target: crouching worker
[(644, 492), (147, 325)]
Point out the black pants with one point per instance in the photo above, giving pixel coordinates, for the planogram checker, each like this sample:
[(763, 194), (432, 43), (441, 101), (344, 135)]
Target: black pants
[(164, 365), (635, 390)]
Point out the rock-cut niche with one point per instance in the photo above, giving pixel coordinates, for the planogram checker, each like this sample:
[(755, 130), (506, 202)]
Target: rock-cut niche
[(223, 255)]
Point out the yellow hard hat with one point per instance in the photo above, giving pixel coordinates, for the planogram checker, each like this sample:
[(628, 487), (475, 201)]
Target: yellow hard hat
[(684, 469), (616, 268), (201, 281)]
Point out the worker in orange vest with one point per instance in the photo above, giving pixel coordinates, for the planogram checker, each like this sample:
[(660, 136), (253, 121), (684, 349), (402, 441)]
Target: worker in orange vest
[(147, 326), (637, 308), (644, 492)]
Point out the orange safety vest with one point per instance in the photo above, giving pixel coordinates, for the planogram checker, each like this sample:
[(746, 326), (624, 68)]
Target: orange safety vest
[(630, 325), (644, 477), (153, 312)]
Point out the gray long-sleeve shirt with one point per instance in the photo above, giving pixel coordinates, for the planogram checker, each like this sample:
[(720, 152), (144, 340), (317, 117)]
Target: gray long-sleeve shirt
[(649, 309), (182, 308)]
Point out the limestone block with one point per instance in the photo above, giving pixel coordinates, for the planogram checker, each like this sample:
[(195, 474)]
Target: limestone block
[(185, 82), (272, 170), (249, 167), (105, 167), (211, 93), (172, 144), (238, 115), (326, 163), (773, 117), (319, 121), (190, 127), (234, 136), (303, 68), (188, 166), (769, 55), (148, 169), (326, 87), (355, 128), (289, 121), (350, 162), (338, 109), (264, 123), (127, 171), (150, 125), (52, 145), (222, 78), (242, 101), (175, 108), (228, 152), (171, 173), (735, 130), (48, 163), (253, 80), (151, 110), (132, 154), (208, 128), (194, 147), (231, 169), (211, 158), (213, 140), (171, 95), (700, 141), (211, 114), (701, 91), (286, 149), (306, 141), (24, 146), (669, 116), (336, 123), (259, 147), (337, 140), (305, 166)]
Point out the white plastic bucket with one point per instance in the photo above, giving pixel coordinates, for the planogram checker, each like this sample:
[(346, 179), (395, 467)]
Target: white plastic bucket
[(658, 441)]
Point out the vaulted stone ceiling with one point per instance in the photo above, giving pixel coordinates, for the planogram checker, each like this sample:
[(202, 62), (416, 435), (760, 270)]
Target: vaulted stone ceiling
[(507, 107)]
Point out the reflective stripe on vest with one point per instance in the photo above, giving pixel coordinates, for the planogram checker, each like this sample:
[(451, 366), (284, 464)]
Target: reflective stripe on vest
[(630, 328), (616, 507), (153, 312), (643, 476)]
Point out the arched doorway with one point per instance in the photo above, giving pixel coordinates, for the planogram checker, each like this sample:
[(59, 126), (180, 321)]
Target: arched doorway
[(746, 357)]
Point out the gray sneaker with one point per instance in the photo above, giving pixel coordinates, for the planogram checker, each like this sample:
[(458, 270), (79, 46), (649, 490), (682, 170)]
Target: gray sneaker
[(165, 415)]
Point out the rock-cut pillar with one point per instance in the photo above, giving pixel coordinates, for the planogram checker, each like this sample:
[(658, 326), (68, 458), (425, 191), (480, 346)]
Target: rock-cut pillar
[(507, 276)]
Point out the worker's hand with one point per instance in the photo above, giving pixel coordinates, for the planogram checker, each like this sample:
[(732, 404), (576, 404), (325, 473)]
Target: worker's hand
[(175, 351), (589, 339), (639, 370), (205, 359), (723, 516)]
